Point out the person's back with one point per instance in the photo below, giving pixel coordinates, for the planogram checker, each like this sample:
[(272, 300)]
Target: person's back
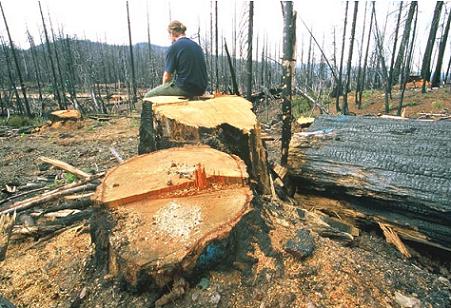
[(186, 59), (185, 71)]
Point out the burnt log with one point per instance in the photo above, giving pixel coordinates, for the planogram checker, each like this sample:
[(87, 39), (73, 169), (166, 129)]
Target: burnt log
[(395, 171)]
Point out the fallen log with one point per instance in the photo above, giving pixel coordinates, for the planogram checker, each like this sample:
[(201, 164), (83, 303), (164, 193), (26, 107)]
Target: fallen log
[(225, 123), (398, 171), (167, 207)]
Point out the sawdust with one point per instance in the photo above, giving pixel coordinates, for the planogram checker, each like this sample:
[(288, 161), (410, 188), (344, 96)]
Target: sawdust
[(176, 220)]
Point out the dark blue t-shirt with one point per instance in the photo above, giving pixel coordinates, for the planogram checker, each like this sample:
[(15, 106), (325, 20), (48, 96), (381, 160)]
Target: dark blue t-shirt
[(186, 59)]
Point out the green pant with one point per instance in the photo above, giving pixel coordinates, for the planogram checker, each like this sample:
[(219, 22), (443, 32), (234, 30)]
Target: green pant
[(167, 89)]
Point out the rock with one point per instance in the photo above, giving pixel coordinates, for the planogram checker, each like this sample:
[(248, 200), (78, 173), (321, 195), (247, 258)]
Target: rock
[(215, 298), (406, 301), (4, 303), (204, 283), (301, 246)]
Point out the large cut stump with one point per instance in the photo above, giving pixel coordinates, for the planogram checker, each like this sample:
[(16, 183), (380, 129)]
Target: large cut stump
[(225, 123), (399, 169), (168, 206)]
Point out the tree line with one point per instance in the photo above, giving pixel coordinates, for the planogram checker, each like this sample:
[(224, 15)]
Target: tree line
[(64, 71)]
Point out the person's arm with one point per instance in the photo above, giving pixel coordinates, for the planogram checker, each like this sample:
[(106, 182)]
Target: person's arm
[(167, 77)]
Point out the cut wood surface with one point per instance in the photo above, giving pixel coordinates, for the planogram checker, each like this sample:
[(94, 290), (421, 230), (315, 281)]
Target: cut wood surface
[(225, 123), (167, 171), (168, 206), (232, 110), (70, 114), (402, 167)]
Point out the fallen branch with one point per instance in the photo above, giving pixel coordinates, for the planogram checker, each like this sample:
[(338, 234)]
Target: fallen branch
[(65, 166), (69, 189), (22, 194)]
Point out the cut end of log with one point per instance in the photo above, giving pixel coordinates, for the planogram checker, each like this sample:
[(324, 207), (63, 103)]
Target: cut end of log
[(63, 115), (168, 206)]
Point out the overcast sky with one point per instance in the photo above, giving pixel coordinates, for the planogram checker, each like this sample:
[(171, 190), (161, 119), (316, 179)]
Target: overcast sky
[(105, 20)]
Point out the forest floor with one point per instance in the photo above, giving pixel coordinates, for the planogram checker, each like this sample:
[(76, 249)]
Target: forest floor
[(58, 272)]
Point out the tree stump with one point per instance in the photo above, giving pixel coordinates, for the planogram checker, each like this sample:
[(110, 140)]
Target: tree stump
[(225, 123), (64, 115), (168, 206)]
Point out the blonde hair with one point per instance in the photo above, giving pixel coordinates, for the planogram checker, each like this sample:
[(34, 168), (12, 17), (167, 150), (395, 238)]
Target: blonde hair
[(176, 27)]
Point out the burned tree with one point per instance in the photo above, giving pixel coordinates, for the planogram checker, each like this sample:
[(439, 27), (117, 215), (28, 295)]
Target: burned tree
[(339, 86), (426, 64), (249, 51), (289, 39), (348, 70), (441, 51)]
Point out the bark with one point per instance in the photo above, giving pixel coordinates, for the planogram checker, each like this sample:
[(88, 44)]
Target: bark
[(407, 64), (426, 64), (340, 73), (249, 51), (359, 69), (232, 71), (399, 169), (132, 61), (289, 38), (441, 51), (216, 47), (146, 130), (345, 108), (404, 42), (395, 44)]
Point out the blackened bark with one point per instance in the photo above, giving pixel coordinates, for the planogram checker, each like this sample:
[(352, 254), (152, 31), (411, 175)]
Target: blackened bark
[(426, 64), (132, 62), (232, 71), (340, 73), (249, 51), (351, 51), (289, 37), (441, 51), (395, 43), (404, 42)]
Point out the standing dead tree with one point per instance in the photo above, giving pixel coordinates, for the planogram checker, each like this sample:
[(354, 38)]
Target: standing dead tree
[(339, 87), (361, 83), (426, 64), (407, 62), (132, 62), (52, 64), (16, 63), (249, 51), (348, 69), (395, 43), (441, 51), (288, 66), (404, 42)]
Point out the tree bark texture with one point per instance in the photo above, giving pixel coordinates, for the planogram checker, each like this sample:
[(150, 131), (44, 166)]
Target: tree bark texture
[(441, 51), (400, 169), (289, 37)]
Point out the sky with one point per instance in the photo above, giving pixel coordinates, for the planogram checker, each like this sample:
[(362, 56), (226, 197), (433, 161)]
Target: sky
[(106, 20)]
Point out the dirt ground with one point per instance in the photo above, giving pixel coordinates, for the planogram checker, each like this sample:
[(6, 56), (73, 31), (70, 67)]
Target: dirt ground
[(59, 272)]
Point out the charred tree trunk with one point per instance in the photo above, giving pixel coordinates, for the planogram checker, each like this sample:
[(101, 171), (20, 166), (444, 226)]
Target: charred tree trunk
[(351, 51), (16, 63), (365, 64), (426, 65), (395, 44), (441, 51), (132, 62), (289, 38), (216, 47), (404, 42), (340, 73), (249, 51), (37, 71), (395, 169), (359, 68), (407, 64), (232, 71)]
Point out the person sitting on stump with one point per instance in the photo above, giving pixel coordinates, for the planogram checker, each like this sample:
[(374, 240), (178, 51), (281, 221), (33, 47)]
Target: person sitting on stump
[(185, 72)]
